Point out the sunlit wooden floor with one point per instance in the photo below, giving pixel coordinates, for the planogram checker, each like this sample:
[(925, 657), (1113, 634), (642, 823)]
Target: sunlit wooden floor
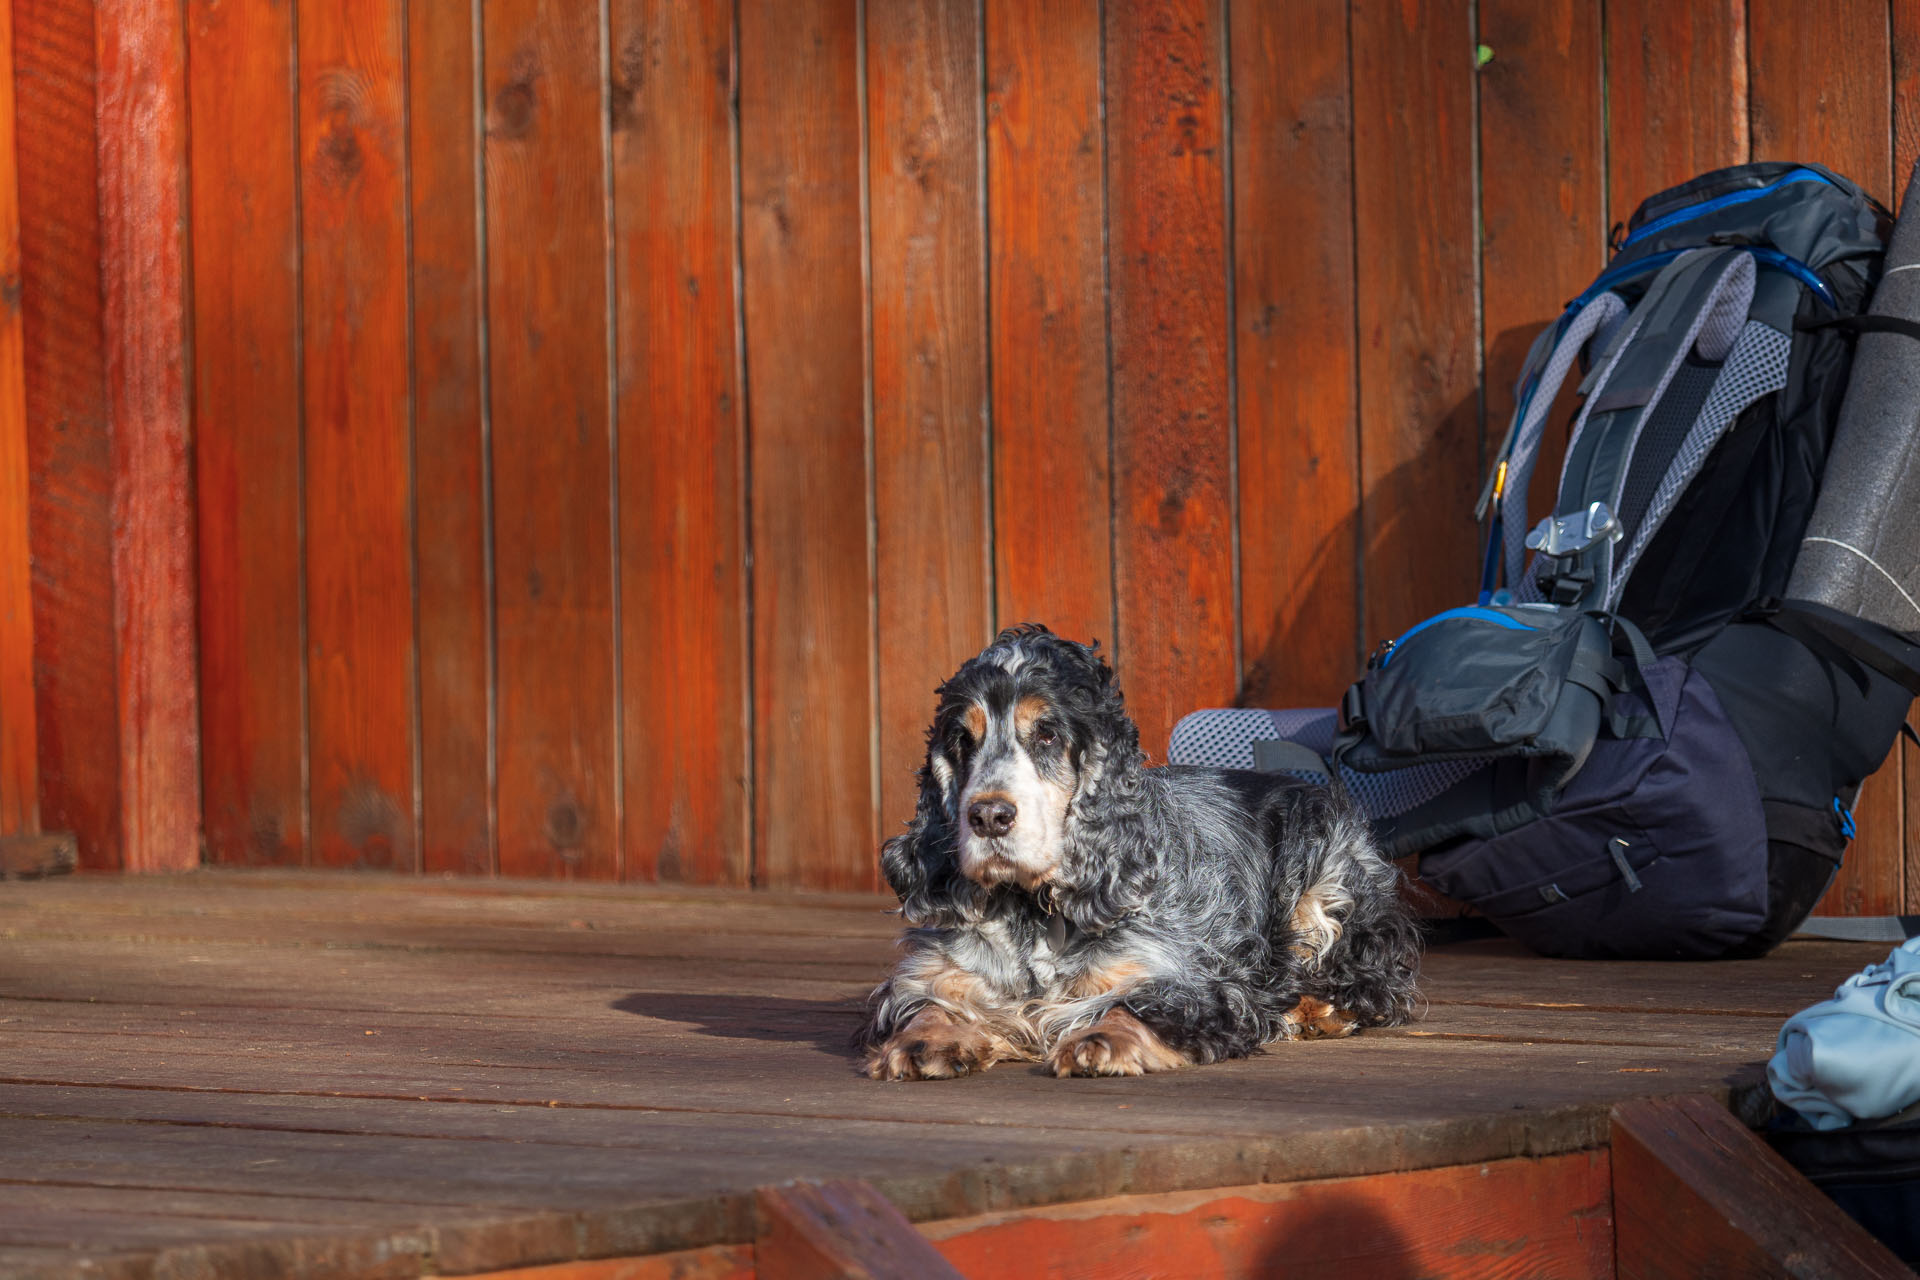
[(251, 1072)]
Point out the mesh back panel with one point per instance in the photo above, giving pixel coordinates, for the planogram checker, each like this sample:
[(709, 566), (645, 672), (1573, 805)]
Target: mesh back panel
[(1757, 366), (1660, 438), (1224, 740)]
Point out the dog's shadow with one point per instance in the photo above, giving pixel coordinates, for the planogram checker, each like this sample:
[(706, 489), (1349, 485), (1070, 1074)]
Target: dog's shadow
[(827, 1025)]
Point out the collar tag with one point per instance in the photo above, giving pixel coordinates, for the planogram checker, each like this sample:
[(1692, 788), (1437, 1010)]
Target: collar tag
[(1057, 933)]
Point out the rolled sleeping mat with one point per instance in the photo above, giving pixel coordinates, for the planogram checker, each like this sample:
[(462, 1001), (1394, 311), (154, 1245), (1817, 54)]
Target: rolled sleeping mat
[(1861, 553)]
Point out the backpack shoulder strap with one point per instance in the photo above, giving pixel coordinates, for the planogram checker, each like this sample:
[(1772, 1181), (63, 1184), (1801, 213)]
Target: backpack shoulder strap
[(1698, 303), (1553, 355)]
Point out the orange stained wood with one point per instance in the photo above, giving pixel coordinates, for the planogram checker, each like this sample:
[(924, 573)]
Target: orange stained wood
[(1549, 1216), (1420, 414), (450, 515), (1910, 757), (358, 469), (1872, 879), (716, 1262), (141, 103), (1162, 324), (69, 456), (683, 643), (1293, 330), (547, 312), (1046, 151), (1677, 88), (247, 429), (843, 1228), (1818, 87), (1169, 268), (19, 739), (1543, 207), (1905, 37), (928, 286), (800, 149)]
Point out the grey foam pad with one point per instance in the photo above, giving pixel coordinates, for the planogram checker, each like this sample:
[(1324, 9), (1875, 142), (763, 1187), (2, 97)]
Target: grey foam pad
[(1861, 554)]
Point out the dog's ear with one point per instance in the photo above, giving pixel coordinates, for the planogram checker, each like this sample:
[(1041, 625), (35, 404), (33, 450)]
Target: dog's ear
[(1111, 862), (922, 863)]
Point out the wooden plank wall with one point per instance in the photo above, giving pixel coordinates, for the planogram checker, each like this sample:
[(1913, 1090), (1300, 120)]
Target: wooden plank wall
[(99, 697), (614, 419), (19, 723)]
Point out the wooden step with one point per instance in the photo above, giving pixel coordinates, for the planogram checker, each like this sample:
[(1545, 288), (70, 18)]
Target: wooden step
[(1698, 1195)]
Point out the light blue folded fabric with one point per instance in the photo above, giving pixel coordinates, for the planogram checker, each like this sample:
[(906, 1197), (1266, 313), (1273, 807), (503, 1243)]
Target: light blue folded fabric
[(1856, 1056)]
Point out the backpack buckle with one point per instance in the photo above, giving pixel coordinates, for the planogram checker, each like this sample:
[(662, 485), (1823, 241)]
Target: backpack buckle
[(1566, 589), (1562, 537)]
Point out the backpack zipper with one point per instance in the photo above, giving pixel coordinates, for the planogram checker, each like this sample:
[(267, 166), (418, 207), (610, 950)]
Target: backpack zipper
[(1689, 212), (1464, 611)]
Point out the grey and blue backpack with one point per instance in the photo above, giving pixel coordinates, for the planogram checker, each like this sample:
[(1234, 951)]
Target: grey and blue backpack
[(1646, 737)]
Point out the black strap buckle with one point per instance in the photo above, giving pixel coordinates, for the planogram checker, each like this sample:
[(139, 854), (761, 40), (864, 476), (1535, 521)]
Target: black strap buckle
[(1568, 588)]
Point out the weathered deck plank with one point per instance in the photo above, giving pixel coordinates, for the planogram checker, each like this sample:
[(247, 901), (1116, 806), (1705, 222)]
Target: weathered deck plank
[(315, 1071)]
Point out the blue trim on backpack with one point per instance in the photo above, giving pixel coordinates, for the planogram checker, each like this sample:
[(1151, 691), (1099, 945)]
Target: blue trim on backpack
[(1464, 611), (1795, 268), (1692, 211), (1846, 818), (1654, 261)]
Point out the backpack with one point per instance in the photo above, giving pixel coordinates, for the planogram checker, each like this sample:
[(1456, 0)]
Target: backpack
[(1629, 746)]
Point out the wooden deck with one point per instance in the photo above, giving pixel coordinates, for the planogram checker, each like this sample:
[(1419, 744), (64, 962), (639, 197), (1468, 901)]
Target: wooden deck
[(232, 1073)]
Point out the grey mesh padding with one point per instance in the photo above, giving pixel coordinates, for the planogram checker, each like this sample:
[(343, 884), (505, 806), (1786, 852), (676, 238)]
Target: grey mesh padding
[(1756, 367), (1224, 739), (1594, 318), (1527, 590)]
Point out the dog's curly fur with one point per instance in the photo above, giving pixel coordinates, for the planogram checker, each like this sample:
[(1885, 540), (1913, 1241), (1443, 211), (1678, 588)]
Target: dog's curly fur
[(1143, 918)]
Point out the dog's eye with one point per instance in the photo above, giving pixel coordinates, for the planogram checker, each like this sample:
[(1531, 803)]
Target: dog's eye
[(1044, 735)]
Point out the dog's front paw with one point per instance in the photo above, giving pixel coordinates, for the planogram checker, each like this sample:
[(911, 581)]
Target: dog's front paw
[(1117, 1045), (935, 1046), (1314, 1019)]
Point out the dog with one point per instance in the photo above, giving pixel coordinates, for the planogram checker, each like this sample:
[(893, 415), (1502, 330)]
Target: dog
[(1067, 904)]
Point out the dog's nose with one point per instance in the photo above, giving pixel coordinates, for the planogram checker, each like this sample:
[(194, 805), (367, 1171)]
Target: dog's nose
[(991, 816)]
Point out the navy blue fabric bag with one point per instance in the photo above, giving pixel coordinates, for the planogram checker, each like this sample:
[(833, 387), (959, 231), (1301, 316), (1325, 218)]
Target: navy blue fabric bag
[(1655, 849)]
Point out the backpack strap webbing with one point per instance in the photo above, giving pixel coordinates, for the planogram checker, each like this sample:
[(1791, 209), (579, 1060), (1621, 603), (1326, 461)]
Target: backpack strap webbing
[(1281, 755), (1862, 324), (1823, 628)]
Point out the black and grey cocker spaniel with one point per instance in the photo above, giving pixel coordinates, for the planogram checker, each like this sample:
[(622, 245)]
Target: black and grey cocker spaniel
[(1067, 904)]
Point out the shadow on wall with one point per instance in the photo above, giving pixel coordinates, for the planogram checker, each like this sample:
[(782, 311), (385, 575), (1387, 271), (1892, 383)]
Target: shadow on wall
[(1302, 664), (1349, 1238)]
